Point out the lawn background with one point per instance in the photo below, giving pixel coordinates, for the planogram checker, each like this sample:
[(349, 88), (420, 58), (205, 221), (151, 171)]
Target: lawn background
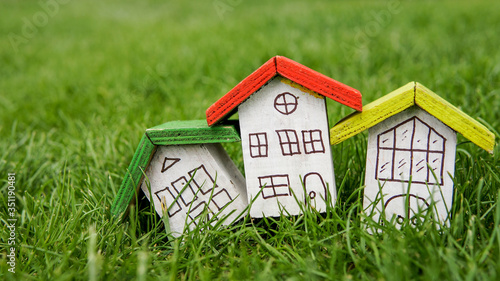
[(79, 86)]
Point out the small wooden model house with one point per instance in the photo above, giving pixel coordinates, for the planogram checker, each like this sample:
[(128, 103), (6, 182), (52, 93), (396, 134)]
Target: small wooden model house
[(410, 159), (181, 166), (284, 131)]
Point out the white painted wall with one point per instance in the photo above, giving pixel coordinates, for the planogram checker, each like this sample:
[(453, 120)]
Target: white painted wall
[(167, 178), (258, 114), (412, 135)]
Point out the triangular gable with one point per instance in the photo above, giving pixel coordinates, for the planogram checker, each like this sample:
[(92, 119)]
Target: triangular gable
[(409, 95), (291, 70), (171, 133)]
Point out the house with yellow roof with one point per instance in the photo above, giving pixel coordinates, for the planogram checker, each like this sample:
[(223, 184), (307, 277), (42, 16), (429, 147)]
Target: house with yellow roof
[(410, 161)]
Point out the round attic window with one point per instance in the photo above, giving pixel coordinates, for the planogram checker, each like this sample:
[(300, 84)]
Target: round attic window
[(285, 103)]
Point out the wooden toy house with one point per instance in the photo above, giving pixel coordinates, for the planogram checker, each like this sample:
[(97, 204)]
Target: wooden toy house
[(284, 131), (181, 166), (410, 160)]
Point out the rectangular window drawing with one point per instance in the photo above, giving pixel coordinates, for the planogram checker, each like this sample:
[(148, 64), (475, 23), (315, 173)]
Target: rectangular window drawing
[(402, 164), (258, 145), (166, 198), (436, 162), (289, 142), (274, 186), (401, 153), (221, 199), (385, 166), (196, 212), (202, 179), (313, 141), (188, 195)]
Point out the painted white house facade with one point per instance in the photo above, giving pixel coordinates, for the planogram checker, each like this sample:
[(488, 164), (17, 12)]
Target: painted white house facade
[(409, 168), (286, 151), (192, 180)]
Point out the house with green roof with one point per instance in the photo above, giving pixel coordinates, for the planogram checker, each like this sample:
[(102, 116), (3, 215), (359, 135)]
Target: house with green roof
[(185, 172)]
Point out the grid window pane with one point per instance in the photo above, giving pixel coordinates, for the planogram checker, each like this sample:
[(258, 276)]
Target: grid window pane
[(416, 146), (274, 186), (289, 142), (313, 141), (258, 145)]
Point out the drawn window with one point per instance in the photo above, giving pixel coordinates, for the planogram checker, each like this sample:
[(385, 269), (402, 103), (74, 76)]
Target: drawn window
[(202, 179), (285, 103), (258, 145), (181, 186), (274, 186), (313, 141), (167, 200), (289, 142), (410, 148)]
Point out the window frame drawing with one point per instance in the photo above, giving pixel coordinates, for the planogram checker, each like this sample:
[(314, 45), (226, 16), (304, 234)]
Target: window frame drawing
[(261, 144), (272, 186), (193, 174), (164, 202), (290, 144), (411, 154), (312, 141), (178, 191), (220, 194), (281, 101)]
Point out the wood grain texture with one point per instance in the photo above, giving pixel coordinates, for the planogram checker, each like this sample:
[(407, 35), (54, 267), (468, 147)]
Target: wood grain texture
[(319, 83), (411, 94), (133, 176), (170, 133), (454, 118), (373, 113), (192, 132), (228, 103), (292, 70)]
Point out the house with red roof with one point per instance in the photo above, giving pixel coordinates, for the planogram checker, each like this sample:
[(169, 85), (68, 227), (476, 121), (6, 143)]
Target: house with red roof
[(285, 135)]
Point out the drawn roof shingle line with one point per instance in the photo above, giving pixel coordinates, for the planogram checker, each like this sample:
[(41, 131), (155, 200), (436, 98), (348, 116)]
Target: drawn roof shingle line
[(291, 70)]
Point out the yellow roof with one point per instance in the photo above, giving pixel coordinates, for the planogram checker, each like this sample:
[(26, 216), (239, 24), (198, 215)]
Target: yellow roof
[(409, 95)]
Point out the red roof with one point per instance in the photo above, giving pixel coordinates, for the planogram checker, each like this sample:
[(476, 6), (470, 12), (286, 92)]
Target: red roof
[(289, 69)]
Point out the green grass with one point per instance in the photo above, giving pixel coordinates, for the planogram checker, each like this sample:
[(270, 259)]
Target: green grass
[(77, 94)]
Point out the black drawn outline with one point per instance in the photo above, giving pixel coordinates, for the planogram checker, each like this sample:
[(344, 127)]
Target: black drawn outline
[(183, 185), (308, 138), (179, 207), (289, 147), (177, 191), (175, 160), (204, 206), (195, 172), (272, 186), (400, 218), (220, 193), (284, 106), (322, 182), (429, 177), (261, 144)]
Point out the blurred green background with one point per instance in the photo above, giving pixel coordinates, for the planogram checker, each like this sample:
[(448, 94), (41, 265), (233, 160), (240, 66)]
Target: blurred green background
[(80, 81)]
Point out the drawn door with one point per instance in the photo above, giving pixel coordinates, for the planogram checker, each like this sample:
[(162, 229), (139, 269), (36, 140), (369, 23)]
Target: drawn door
[(406, 207), (315, 189)]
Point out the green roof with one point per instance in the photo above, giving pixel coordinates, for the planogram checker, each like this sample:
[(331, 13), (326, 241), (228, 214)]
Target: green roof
[(170, 133)]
